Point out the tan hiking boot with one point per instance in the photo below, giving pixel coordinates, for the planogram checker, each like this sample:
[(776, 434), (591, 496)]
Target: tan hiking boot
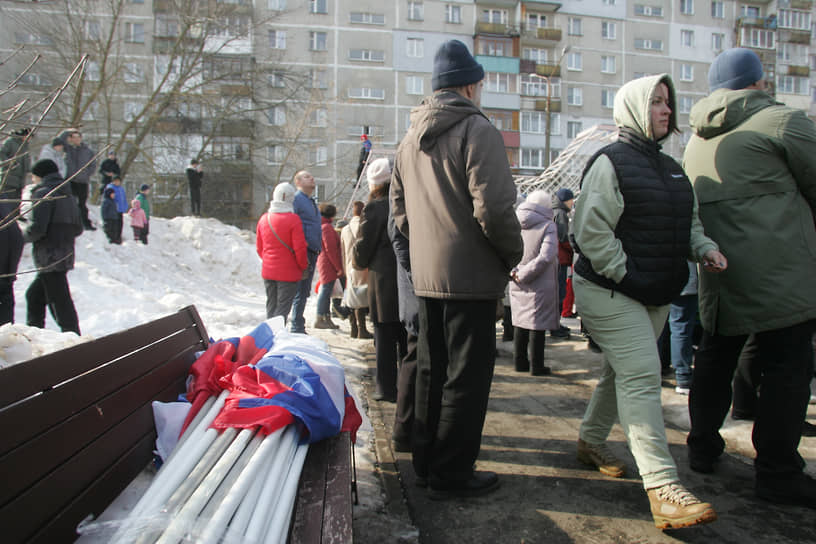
[(674, 507), (601, 457)]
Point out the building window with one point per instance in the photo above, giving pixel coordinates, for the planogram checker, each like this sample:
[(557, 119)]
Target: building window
[(573, 128), (317, 41), (792, 53), (92, 30), (134, 73), (134, 32), (453, 14), (534, 122), (502, 120), (367, 93), (750, 11), (575, 62), (30, 78), (575, 96), (755, 37), (132, 111), (276, 5), (539, 56), (791, 18), (717, 9), (318, 6), (608, 2), (532, 85), (414, 85), (608, 64), (686, 72), (166, 26), (532, 158), (319, 118), (648, 11), (92, 72), (654, 45), (608, 30), (495, 47), (536, 20), (275, 154), (496, 82), (276, 115), (687, 38), (367, 18), (416, 11), (574, 27), (277, 80), (368, 55), (318, 156), (320, 79), (687, 7), (277, 39), (415, 47), (33, 39), (792, 85), (607, 98), (717, 41), (494, 16), (684, 104)]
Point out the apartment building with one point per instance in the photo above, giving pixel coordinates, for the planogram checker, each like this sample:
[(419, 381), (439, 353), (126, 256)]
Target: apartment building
[(264, 88)]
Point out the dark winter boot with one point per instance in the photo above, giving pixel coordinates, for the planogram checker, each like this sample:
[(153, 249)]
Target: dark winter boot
[(520, 339), (507, 325), (353, 323), (537, 342), (362, 332)]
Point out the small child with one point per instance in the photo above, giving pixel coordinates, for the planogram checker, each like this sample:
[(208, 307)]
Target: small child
[(144, 191), (138, 220), (110, 216)]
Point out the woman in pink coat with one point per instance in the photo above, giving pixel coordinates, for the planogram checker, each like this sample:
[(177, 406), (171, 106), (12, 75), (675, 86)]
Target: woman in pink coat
[(534, 289), (329, 266), (282, 248)]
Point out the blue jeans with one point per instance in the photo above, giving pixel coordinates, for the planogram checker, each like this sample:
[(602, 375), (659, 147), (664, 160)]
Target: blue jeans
[(299, 303), (324, 298), (682, 318)]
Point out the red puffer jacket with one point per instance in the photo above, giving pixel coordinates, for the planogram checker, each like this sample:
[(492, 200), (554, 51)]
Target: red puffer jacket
[(329, 262), (278, 263)]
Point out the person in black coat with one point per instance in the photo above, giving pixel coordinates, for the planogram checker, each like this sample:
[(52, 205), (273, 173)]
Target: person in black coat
[(194, 179), (54, 224), (11, 249), (373, 251), (109, 169)]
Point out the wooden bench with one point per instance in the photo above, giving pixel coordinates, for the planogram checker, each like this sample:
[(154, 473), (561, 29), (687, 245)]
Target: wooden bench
[(77, 427), (77, 424)]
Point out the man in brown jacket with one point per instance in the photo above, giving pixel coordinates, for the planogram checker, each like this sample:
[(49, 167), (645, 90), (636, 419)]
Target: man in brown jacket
[(452, 196)]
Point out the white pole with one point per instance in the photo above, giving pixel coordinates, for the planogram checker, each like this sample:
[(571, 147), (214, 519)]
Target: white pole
[(186, 517), (270, 493), (237, 526), (252, 473), (279, 524)]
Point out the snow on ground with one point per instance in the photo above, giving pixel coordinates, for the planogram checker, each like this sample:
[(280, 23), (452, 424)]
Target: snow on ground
[(189, 260)]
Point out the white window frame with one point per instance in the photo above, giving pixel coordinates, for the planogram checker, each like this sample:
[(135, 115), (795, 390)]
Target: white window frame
[(533, 157), (717, 9), (276, 38), (275, 154), (792, 85), (534, 122), (574, 128), (133, 73), (607, 98), (797, 54), (319, 117), (134, 33), (649, 44), (320, 79), (539, 55), (414, 85), (276, 79), (608, 64), (318, 6), (416, 10), (758, 38), (687, 38), (686, 72), (684, 104), (609, 30), (500, 82), (453, 14), (575, 96), (794, 19), (536, 20), (367, 55), (366, 93), (415, 48), (575, 26), (318, 40), (366, 18), (494, 16), (276, 116), (276, 5), (648, 11), (575, 61), (687, 7), (130, 110), (717, 41)]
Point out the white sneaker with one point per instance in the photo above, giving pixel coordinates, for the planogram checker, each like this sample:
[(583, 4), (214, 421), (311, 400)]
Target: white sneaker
[(682, 390)]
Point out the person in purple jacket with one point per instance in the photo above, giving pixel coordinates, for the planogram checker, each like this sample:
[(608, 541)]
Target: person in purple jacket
[(534, 289)]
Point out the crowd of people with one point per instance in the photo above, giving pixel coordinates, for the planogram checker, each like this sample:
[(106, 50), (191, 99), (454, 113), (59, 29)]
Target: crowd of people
[(646, 244)]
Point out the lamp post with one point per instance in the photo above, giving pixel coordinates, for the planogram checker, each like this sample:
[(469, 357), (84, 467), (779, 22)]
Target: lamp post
[(548, 104)]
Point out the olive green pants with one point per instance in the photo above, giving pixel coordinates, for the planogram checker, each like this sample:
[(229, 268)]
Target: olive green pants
[(629, 385)]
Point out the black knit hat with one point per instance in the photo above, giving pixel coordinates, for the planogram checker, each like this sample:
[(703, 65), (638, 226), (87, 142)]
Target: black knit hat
[(44, 167), (57, 141), (454, 66), (144, 187)]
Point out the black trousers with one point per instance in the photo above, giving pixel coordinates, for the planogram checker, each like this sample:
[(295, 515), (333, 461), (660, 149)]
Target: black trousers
[(195, 199), (389, 347), (406, 393), (6, 301), (456, 353), (80, 191), (534, 342), (785, 358), (51, 289)]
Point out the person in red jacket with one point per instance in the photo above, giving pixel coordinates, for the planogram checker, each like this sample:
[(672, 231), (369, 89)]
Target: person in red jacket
[(282, 249), (329, 266)]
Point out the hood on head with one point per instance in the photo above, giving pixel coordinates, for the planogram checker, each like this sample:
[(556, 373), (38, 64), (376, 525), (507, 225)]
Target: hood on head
[(438, 114), (531, 214), (724, 109), (633, 105), (135, 204), (108, 191)]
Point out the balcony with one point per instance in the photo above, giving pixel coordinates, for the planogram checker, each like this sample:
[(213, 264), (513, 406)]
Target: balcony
[(541, 34), (548, 70), (496, 29), (555, 105), (794, 35), (761, 22), (801, 4), (799, 71), (511, 138)]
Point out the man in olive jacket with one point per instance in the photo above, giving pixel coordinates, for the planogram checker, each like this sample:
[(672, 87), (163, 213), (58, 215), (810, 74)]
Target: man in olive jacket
[(452, 197), (753, 166)]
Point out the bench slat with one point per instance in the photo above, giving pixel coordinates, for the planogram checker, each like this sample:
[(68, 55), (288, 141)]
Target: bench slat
[(46, 371), (24, 466), (29, 418), (337, 510), (22, 517)]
